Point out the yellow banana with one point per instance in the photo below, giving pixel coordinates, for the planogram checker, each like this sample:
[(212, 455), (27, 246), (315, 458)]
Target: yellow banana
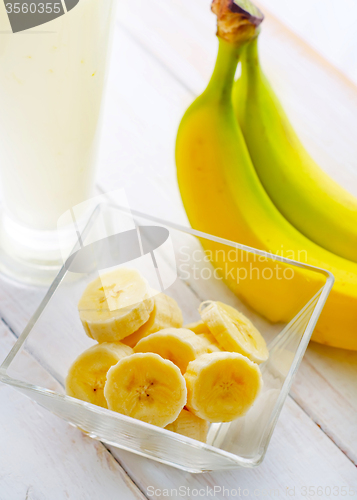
[(115, 305), (316, 205), (222, 386), (223, 196), (87, 375), (179, 345), (233, 331), (189, 425), (166, 314), (198, 327), (201, 329), (146, 387), (209, 342)]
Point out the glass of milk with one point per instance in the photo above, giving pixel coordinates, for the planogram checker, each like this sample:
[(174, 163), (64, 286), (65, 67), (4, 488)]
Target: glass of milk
[(51, 91)]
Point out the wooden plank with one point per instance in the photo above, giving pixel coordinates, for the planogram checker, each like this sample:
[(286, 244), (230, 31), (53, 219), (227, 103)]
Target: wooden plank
[(297, 445), (18, 302), (284, 464), (180, 34), (43, 457), (325, 387), (299, 456), (312, 21)]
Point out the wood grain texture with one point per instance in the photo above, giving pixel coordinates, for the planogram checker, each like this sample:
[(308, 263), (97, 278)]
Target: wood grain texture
[(312, 20), (325, 387), (42, 457), (299, 455), (161, 59)]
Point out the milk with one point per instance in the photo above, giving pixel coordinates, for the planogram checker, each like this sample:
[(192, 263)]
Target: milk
[(51, 90)]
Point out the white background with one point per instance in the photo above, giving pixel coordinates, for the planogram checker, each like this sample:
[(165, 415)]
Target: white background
[(327, 25)]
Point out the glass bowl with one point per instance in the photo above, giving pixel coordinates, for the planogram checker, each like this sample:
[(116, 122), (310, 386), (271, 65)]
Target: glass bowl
[(173, 260)]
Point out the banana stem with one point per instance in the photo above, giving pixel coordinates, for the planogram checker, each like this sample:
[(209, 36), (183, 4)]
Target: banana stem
[(251, 69), (222, 79)]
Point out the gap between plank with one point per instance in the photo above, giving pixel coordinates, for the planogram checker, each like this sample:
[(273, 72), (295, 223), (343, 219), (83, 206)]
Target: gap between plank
[(13, 332), (102, 444), (147, 51), (126, 472), (321, 429)]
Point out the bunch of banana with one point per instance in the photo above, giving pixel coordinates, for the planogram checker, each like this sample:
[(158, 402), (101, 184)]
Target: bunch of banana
[(169, 369), (223, 194), (307, 197)]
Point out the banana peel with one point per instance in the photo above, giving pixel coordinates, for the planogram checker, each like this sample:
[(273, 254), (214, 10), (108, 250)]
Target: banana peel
[(223, 196)]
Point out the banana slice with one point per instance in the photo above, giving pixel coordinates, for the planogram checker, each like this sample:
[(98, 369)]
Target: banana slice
[(209, 342), (166, 314), (115, 305), (87, 375), (233, 331), (189, 425), (222, 386), (201, 330), (198, 327), (146, 387), (176, 344)]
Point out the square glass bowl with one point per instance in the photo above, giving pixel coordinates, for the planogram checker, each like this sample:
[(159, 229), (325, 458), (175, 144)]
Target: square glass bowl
[(173, 260)]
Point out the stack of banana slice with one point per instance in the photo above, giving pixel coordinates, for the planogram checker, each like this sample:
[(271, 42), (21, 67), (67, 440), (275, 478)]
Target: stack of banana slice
[(147, 366)]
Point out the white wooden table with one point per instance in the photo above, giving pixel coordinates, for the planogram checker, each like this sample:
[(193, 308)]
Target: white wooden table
[(163, 54)]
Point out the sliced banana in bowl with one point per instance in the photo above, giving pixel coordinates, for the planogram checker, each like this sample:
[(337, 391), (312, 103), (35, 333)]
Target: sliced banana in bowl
[(87, 375), (198, 327), (165, 314), (179, 345), (190, 426), (115, 305), (233, 331), (175, 377), (222, 386), (147, 387), (201, 330)]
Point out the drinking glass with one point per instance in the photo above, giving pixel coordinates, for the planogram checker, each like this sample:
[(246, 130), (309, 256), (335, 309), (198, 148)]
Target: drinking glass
[(52, 77)]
